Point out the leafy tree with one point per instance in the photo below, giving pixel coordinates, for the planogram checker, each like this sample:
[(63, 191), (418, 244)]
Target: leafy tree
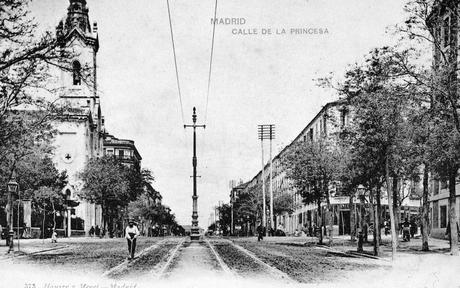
[(38, 179), (225, 220), (157, 214), (380, 149), (283, 203), (248, 206), (311, 166), (106, 183)]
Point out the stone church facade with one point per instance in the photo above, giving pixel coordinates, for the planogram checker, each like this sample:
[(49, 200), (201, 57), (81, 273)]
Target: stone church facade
[(81, 130)]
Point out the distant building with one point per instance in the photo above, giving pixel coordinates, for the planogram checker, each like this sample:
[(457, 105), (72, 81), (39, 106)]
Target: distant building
[(443, 20), (153, 194), (122, 149), (236, 191)]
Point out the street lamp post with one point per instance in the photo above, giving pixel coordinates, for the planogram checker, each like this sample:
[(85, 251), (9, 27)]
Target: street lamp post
[(361, 193), (195, 230), (19, 207), (13, 187)]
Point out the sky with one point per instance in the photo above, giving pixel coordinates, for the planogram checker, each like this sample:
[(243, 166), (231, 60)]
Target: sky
[(257, 78)]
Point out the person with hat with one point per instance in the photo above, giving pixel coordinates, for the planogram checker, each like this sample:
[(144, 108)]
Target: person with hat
[(131, 234)]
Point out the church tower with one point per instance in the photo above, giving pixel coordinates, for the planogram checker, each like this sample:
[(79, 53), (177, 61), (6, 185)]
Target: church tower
[(76, 34), (81, 129)]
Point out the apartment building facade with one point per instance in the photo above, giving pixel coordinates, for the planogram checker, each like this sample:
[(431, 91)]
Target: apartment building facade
[(328, 122)]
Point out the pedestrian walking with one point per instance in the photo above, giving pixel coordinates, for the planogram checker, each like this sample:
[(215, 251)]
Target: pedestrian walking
[(386, 224), (97, 230), (54, 236), (91, 231), (413, 228), (260, 232), (131, 234), (406, 230)]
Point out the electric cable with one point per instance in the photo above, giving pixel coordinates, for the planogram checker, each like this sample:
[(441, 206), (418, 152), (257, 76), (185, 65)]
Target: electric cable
[(175, 63)]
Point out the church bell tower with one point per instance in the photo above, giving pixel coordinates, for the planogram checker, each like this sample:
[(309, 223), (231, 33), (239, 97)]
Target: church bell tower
[(76, 34)]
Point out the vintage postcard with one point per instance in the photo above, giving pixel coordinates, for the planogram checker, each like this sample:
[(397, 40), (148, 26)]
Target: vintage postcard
[(238, 143)]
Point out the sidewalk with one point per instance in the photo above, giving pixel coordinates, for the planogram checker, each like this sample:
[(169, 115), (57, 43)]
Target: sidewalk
[(30, 246), (344, 244)]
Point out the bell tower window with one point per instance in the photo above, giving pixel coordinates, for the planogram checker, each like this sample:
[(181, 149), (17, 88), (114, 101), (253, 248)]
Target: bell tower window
[(76, 72)]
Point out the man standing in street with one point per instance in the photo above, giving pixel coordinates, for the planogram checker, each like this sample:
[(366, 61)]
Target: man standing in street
[(131, 234)]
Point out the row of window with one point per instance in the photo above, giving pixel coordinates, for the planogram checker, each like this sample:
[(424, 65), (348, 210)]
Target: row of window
[(121, 153)]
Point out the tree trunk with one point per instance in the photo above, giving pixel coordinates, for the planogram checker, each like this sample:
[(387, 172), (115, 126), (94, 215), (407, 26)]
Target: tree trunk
[(43, 222), (372, 212), (425, 210), (396, 209), (54, 215), (329, 219), (320, 218), (379, 212), (111, 222), (104, 213), (352, 219), (452, 214), (376, 213), (394, 240), (361, 223)]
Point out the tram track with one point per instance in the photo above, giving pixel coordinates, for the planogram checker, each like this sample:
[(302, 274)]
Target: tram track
[(244, 263), (193, 258), (163, 267), (143, 261), (185, 258)]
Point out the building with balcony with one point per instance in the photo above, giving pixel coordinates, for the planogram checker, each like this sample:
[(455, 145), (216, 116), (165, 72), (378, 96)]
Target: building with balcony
[(122, 149)]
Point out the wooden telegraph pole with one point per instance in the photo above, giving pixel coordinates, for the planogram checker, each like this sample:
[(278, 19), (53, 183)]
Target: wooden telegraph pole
[(267, 132), (195, 232)]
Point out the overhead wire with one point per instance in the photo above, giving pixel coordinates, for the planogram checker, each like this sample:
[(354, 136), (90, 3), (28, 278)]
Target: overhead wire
[(210, 65), (175, 63), (210, 62), (209, 75)]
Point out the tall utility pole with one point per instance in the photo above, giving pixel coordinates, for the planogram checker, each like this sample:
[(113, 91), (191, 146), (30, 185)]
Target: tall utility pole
[(264, 220), (267, 132), (195, 232), (271, 136)]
